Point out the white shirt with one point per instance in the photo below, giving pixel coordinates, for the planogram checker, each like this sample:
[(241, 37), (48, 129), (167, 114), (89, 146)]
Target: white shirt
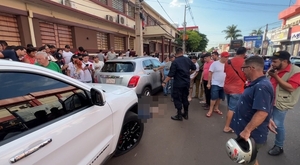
[(88, 72), (111, 55), (71, 68), (127, 53), (197, 70), (218, 74), (99, 66), (67, 56)]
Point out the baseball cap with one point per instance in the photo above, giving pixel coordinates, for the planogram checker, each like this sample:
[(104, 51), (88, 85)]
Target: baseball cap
[(282, 55), (225, 54), (75, 56), (58, 56)]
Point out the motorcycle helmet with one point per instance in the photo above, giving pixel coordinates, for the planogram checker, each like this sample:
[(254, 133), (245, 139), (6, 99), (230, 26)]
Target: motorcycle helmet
[(241, 151)]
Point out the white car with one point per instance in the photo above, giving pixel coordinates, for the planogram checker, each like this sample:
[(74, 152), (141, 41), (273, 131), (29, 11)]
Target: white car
[(49, 118)]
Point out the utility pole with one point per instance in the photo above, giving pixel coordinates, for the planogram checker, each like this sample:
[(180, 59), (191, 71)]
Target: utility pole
[(263, 50), (184, 31), (138, 42)]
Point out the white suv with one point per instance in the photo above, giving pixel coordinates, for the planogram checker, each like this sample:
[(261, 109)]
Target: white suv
[(49, 118)]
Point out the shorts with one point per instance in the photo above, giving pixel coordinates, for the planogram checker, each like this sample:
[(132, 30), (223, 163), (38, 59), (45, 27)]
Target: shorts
[(217, 92), (257, 146), (232, 101)]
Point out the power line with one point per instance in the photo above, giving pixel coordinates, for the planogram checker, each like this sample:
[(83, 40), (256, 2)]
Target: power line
[(165, 11), (190, 10), (250, 3)]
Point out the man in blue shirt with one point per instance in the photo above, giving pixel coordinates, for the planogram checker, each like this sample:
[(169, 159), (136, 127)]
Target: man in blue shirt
[(254, 109), (181, 69), (16, 54)]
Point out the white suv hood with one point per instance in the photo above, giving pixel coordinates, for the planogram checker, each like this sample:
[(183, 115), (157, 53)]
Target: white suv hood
[(109, 88)]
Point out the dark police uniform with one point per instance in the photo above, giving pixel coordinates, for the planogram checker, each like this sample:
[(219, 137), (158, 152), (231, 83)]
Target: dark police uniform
[(180, 71)]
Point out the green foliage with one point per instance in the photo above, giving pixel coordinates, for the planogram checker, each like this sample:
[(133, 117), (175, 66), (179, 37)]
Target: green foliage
[(196, 41), (258, 32), (232, 32)]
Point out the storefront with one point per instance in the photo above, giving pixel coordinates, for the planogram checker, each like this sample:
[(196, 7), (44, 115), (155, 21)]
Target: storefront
[(291, 21)]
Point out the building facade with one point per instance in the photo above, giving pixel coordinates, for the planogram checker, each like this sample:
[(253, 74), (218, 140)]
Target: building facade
[(92, 24), (195, 28), (288, 36)]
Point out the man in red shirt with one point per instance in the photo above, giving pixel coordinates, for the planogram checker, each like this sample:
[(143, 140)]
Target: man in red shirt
[(204, 78), (285, 79), (234, 84)]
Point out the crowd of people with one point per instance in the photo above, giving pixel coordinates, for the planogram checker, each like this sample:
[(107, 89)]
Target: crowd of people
[(77, 65), (257, 100)]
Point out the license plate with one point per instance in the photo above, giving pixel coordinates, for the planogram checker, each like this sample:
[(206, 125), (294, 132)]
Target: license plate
[(110, 81)]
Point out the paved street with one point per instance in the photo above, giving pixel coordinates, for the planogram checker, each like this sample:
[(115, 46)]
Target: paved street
[(200, 140)]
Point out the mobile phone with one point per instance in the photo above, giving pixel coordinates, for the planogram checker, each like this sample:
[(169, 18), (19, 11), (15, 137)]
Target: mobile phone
[(86, 65), (272, 70)]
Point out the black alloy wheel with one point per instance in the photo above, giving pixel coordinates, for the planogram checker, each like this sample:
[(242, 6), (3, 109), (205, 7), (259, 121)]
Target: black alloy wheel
[(131, 134)]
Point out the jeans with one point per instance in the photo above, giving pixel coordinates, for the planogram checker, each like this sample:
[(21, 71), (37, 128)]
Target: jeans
[(278, 118), (166, 88), (216, 92)]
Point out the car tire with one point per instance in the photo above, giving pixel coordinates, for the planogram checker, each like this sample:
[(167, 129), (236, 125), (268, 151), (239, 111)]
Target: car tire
[(146, 92), (130, 135)]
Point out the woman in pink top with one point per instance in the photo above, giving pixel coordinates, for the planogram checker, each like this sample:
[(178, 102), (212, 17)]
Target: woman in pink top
[(30, 56), (204, 79)]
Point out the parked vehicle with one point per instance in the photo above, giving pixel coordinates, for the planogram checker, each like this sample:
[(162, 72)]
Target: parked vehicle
[(49, 118), (295, 60), (133, 72)]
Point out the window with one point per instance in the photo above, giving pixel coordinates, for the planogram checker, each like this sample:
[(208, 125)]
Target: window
[(9, 30), (118, 67), (103, 2), (131, 11), (156, 63), (27, 104), (147, 65), (131, 43), (55, 34), (102, 42), (118, 5), (119, 43)]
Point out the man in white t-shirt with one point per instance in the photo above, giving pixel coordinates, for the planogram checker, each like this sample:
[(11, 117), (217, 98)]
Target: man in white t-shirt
[(216, 80), (88, 69), (67, 54), (193, 76), (111, 54)]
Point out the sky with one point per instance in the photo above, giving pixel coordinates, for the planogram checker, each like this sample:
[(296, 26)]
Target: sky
[(213, 16)]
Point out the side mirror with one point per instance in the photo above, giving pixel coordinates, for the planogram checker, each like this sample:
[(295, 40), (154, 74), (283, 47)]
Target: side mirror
[(97, 97)]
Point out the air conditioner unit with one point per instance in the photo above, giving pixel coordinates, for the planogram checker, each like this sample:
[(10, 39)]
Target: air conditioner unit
[(68, 3), (121, 19), (110, 18)]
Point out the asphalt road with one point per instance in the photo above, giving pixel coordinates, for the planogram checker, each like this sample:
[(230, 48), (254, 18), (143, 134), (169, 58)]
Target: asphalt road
[(200, 140)]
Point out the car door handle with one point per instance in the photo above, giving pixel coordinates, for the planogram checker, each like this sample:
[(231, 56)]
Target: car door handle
[(30, 151)]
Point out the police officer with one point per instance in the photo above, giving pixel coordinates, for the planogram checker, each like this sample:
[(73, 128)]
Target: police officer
[(180, 70)]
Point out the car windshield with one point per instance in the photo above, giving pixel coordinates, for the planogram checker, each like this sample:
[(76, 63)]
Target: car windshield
[(118, 67)]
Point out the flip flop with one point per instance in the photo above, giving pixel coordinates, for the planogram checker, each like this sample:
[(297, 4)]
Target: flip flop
[(208, 115), (230, 131), (218, 112)]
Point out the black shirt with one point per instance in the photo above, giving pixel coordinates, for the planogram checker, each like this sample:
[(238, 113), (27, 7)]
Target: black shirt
[(180, 70)]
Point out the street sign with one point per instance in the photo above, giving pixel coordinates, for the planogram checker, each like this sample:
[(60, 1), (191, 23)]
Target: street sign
[(253, 38)]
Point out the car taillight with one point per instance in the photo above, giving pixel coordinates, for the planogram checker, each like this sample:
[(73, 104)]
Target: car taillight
[(133, 81)]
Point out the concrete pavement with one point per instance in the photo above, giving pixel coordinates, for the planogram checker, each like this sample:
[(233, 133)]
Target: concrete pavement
[(200, 140)]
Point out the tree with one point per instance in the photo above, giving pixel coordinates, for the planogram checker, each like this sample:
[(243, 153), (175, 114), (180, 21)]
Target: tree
[(203, 43), (211, 49), (258, 32), (232, 32), (196, 41)]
